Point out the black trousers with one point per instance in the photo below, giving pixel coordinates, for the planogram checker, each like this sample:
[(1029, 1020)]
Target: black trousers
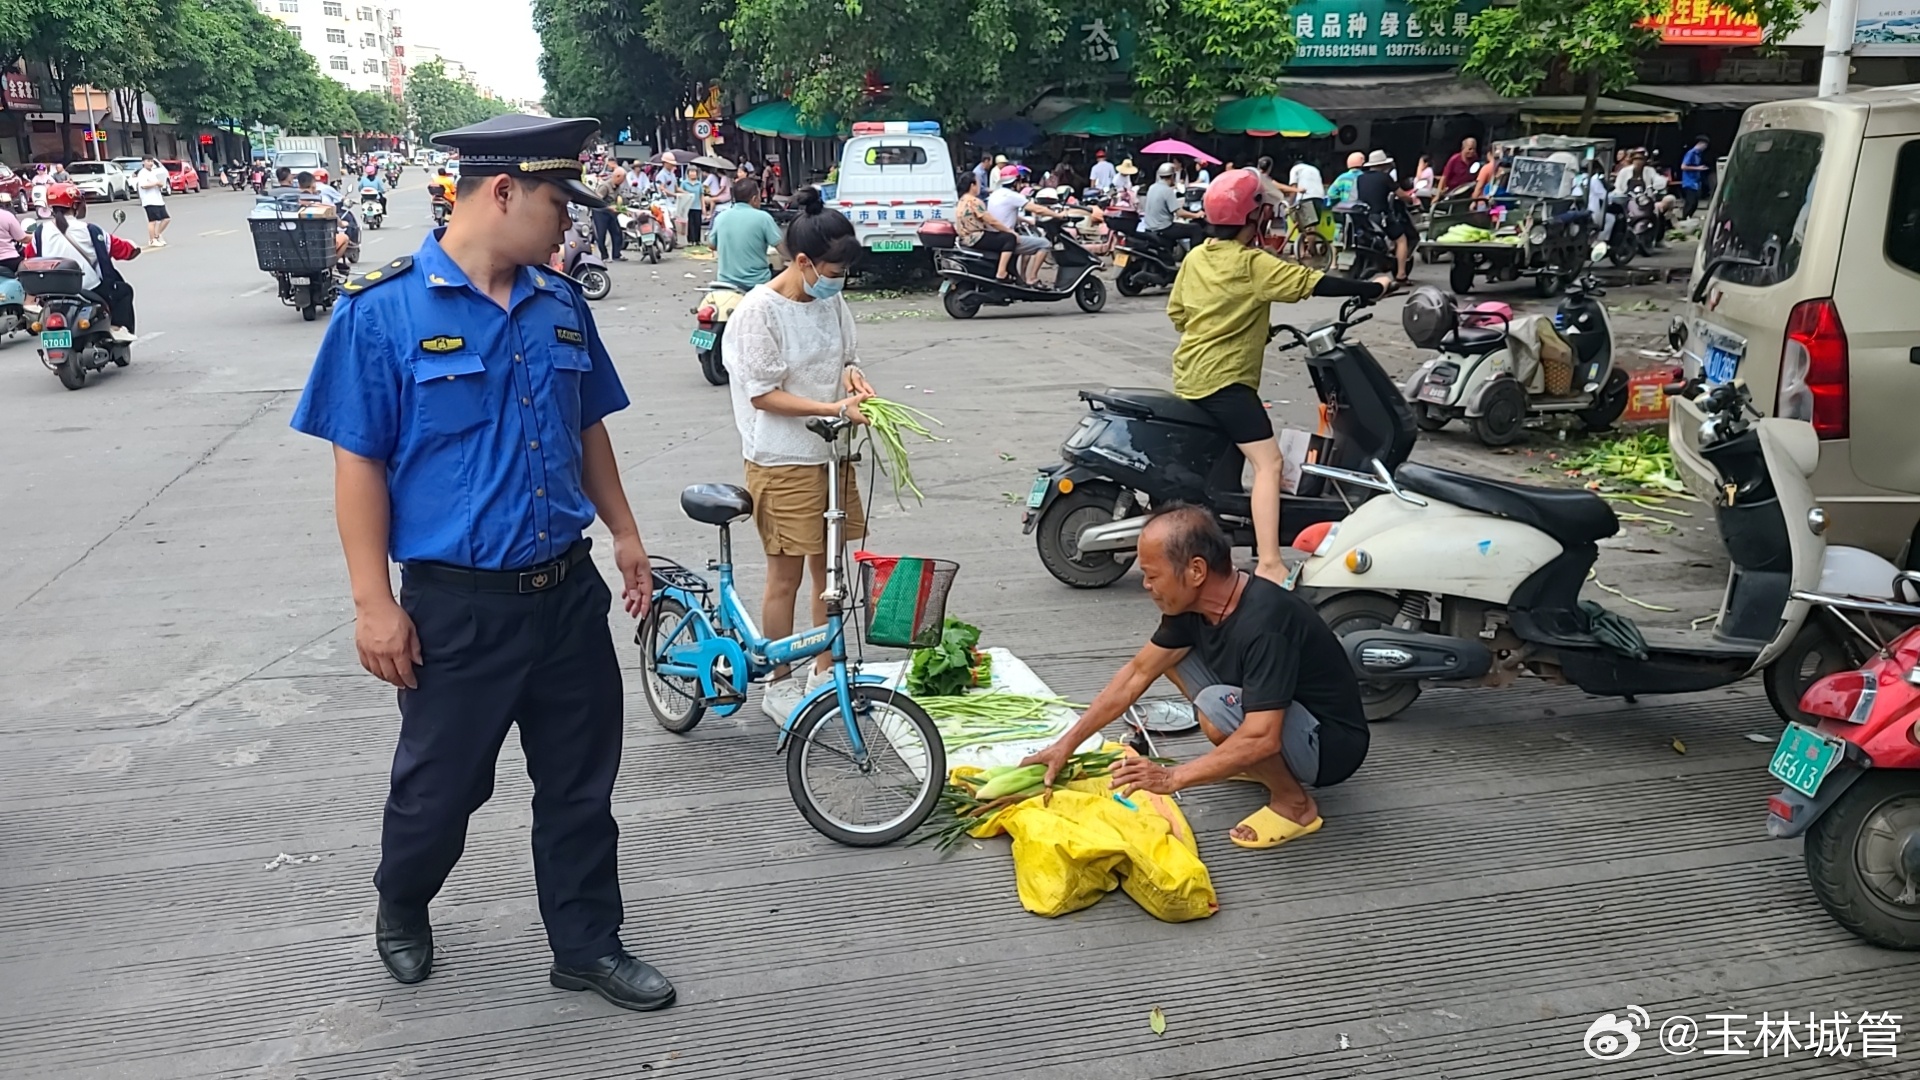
[(1689, 201), (694, 217), (606, 231), (119, 298), (543, 662)]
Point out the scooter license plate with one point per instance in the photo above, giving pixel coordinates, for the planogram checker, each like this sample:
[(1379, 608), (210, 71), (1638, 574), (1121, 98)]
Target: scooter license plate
[(1039, 491), (1435, 393), (946, 287), (1119, 258), (1804, 758), (703, 339), (56, 339), (1722, 365)]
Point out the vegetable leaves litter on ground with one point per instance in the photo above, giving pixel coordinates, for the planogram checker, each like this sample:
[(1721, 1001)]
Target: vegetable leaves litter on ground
[(1644, 459)]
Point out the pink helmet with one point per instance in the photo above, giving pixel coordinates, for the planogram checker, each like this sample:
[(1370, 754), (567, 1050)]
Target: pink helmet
[(1232, 199)]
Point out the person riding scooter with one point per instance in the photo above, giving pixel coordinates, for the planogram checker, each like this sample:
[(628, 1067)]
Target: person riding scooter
[(1163, 216), (372, 187), (1220, 304), (1009, 201), (65, 234)]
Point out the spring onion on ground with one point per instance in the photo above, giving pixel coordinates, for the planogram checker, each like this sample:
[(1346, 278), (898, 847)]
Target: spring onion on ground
[(886, 423), (997, 716), (1645, 459), (970, 798)]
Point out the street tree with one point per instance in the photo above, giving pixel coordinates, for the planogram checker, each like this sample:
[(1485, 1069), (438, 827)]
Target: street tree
[(1590, 45), (81, 41), (374, 112), (436, 103), (598, 60), (1193, 53)]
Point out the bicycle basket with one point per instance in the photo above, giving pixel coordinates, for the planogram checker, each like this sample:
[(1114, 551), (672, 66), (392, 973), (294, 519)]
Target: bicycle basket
[(906, 599)]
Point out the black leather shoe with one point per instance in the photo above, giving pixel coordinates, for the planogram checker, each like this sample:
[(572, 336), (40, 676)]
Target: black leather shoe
[(405, 941), (620, 978)]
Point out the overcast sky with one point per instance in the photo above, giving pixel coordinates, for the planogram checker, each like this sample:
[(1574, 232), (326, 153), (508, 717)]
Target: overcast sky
[(494, 37)]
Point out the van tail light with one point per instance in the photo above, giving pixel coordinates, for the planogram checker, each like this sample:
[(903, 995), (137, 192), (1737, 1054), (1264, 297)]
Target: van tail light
[(1813, 369)]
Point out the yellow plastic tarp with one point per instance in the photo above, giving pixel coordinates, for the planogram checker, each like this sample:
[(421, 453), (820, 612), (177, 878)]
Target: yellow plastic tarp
[(1071, 850)]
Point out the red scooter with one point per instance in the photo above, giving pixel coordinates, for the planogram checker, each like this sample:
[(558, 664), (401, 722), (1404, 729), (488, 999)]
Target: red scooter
[(1853, 782)]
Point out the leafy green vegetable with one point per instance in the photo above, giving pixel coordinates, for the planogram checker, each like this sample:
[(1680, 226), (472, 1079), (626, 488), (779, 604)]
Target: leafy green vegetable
[(946, 669)]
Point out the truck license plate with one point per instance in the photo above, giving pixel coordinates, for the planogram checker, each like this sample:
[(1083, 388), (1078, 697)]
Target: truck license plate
[(1804, 758), (703, 339), (893, 245), (56, 339), (1722, 365), (1039, 491)]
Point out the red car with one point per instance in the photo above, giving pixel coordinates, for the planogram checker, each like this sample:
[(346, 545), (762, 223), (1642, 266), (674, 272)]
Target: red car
[(182, 177)]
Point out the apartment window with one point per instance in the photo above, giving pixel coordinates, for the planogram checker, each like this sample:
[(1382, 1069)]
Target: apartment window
[(338, 37), (339, 63), (383, 68), (368, 41), (294, 29), (366, 14), (265, 6), (331, 9), (370, 66), (290, 5)]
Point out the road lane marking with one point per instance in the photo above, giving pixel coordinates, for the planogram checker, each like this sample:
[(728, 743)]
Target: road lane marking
[(219, 232), (258, 291), (149, 336)]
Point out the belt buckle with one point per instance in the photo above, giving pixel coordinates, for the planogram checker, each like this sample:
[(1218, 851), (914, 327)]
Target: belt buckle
[(541, 578)]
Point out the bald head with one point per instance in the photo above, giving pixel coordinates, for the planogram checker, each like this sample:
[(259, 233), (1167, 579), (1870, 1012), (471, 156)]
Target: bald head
[(1356, 159)]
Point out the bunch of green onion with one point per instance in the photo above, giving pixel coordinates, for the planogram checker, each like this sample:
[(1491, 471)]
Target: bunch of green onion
[(995, 716), (886, 423)]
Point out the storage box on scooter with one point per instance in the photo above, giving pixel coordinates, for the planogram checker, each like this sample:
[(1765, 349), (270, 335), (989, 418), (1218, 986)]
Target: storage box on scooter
[(50, 277)]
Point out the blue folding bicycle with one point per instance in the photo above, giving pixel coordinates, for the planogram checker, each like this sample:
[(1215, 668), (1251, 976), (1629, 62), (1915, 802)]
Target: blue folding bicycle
[(865, 764)]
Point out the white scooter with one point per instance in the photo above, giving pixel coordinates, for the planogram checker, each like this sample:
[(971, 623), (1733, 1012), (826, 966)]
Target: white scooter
[(1462, 581), (1481, 376), (373, 210)]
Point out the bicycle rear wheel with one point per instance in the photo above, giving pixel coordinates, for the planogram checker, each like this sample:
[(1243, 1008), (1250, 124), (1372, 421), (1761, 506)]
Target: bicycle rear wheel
[(674, 701), (881, 798)]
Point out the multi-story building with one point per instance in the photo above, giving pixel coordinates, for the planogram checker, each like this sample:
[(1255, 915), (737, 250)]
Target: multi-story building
[(457, 71), (354, 43)]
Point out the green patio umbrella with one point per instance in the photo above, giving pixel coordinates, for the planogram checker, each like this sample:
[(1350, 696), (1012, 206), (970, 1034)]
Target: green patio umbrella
[(783, 119), (1106, 119), (1270, 116)]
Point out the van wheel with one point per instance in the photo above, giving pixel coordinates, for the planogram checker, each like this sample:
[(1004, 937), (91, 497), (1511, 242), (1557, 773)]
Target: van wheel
[(1503, 413)]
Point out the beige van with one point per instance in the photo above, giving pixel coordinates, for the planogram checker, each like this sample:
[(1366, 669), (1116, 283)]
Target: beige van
[(1807, 286)]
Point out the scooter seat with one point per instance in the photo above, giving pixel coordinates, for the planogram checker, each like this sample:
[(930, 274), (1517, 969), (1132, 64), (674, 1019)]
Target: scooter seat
[(717, 504), (1571, 517), (1158, 403), (1474, 340)]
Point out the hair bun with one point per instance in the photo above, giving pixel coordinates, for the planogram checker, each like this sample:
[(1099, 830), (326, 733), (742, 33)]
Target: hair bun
[(808, 200)]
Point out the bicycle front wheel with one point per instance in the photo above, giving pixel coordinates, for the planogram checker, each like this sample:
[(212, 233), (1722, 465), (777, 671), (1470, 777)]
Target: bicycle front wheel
[(881, 795)]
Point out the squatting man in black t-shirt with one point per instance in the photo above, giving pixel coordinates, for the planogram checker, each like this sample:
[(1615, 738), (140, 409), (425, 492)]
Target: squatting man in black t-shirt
[(1269, 681)]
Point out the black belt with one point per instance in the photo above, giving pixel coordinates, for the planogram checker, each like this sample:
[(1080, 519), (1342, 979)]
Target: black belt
[(531, 580)]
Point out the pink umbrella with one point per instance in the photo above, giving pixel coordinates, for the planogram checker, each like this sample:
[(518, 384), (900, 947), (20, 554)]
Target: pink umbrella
[(1175, 146)]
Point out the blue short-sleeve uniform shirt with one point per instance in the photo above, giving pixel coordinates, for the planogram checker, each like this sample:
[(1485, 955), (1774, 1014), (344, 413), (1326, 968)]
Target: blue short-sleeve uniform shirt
[(475, 410)]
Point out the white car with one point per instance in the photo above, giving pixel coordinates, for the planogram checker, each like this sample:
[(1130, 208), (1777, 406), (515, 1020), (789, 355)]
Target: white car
[(101, 181)]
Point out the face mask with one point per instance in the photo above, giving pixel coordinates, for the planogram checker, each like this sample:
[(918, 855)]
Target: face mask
[(823, 287)]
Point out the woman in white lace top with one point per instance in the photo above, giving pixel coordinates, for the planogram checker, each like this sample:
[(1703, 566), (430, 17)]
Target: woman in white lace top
[(789, 350)]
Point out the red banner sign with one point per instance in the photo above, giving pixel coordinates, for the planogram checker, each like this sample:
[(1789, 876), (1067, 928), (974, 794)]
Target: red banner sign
[(1701, 22), (21, 92)]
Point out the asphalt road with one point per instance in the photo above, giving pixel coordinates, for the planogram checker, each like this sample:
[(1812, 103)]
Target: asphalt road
[(181, 705)]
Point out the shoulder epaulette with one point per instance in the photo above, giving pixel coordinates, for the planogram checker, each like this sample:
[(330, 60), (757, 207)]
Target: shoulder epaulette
[(361, 282)]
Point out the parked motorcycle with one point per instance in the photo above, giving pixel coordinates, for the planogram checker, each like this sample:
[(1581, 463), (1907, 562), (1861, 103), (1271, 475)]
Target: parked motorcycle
[(1477, 374), (642, 232), (1138, 449), (1460, 580), (579, 262), (711, 316), (969, 279), (75, 327), (1852, 773)]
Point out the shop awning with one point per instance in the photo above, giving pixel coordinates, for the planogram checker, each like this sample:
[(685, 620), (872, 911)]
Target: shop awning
[(1388, 96), (1564, 111), (1719, 95), (1106, 119), (1271, 115)]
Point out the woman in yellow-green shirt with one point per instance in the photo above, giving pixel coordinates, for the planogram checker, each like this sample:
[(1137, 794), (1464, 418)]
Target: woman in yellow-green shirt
[(1220, 305)]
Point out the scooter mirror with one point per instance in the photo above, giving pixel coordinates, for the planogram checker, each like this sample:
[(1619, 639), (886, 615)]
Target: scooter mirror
[(119, 217)]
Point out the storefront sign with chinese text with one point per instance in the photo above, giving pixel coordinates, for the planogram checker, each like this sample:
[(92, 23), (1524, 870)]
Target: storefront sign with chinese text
[(1702, 22), (1378, 33)]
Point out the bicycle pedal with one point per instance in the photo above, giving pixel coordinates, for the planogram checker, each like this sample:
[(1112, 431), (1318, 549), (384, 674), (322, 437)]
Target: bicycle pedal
[(721, 701)]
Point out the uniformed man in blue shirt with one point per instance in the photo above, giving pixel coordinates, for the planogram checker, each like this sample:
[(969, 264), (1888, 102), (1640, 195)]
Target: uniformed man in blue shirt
[(463, 390)]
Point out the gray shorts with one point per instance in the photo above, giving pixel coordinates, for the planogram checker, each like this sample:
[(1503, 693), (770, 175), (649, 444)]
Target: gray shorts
[(1032, 245), (1221, 705)]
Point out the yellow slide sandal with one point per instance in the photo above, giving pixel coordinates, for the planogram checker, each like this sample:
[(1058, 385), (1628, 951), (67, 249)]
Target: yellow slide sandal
[(1272, 830)]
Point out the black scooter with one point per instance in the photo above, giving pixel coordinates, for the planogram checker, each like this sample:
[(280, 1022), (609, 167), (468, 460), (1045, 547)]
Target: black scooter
[(1087, 512), (969, 278)]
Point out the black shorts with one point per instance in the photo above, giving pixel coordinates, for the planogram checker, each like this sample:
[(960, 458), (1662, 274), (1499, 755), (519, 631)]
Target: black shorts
[(994, 240), (1239, 412), (155, 213)]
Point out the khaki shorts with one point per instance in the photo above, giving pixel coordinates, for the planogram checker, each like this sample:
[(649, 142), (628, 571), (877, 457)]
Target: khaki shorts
[(790, 504)]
